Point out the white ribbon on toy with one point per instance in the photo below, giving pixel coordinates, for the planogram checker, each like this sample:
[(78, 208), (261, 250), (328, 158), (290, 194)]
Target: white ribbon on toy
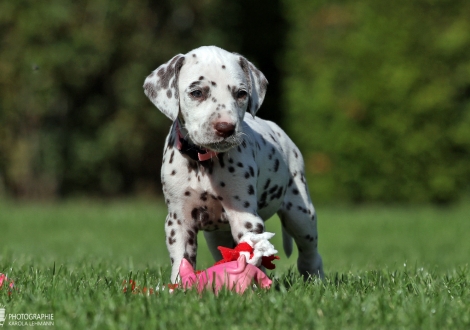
[(261, 245)]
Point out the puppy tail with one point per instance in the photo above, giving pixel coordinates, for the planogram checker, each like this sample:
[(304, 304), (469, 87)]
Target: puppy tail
[(286, 242)]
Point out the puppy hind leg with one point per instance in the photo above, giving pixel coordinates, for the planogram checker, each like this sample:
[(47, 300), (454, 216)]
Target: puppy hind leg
[(300, 222)]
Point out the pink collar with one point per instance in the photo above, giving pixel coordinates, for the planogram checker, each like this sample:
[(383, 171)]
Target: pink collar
[(194, 152)]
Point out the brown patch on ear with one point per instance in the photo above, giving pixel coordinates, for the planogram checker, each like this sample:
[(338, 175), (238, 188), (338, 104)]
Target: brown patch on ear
[(263, 82), (179, 63), (167, 73), (246, 70), (257, 84), (161, 86), (150, 90)]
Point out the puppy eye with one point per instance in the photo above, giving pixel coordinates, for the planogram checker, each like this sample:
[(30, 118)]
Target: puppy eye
[(241, 94), (196, 94)]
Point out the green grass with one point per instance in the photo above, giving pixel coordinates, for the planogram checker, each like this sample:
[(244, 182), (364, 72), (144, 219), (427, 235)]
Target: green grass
[(387, 268)]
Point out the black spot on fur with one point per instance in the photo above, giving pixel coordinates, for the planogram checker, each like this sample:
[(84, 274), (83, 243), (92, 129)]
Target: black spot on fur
[(201, 77), (273, 189), (248, 225), (187, 193), (279, 192), (231, 169), (302, 209), (276, 165), (150, 90), (221, 159), (194, 214), (194, 84), (259, 229), (251, 190), (222, 184), (309, 238), (246, 204), (171, 141), (201, 216), (266, 185)]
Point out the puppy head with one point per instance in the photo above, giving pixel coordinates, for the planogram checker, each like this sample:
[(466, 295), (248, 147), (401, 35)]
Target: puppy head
[(209, 90)]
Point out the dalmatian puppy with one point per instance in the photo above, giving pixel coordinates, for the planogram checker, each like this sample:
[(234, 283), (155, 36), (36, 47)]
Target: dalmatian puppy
[(224, 170)]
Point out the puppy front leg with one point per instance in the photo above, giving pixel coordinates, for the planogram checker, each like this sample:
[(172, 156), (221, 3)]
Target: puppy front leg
[(244, 222), (181, 243)]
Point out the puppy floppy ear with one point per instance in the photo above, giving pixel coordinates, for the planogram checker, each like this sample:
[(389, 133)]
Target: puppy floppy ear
[(161, 86), (257, 84)]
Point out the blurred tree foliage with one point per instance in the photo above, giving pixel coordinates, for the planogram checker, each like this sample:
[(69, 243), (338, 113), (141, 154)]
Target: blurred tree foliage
[(73, 116), (378, 96)]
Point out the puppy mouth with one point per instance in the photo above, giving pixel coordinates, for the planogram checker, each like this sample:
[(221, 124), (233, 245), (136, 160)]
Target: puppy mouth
[(224, 145)]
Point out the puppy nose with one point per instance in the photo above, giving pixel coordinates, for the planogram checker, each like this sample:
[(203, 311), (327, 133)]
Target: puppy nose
[(224, 129)]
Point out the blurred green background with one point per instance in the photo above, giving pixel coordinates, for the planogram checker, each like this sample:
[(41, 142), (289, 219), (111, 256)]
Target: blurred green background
[(375, 93)]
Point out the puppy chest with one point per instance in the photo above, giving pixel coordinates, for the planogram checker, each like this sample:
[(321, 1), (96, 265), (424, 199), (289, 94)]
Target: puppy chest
[(204, 210)]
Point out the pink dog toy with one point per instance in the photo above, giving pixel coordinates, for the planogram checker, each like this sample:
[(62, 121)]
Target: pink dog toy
[(234, 275), (238, 268), (4, 280)]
